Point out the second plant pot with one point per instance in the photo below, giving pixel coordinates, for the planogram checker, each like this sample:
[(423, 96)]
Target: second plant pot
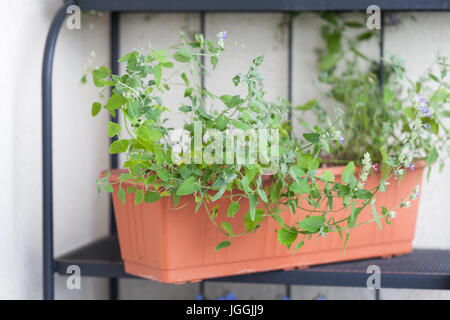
[(176, 245)]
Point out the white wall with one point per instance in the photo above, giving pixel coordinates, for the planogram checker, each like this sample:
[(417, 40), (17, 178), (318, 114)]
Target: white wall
[(80, 142), (80, 146)]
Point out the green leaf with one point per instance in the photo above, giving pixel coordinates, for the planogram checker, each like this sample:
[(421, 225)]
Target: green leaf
[(328, 62), (299, 245), (346, 240), (214, 212), (142, 133), (354, 215), (233, 208), (183, 55), (286, 237), (296, 173), (353, 24), (126, 176), (327, 176), (185, 79), (219, 193), (312, 137), (129, 56), (228, 228), (252, 224), (432, 156), (96, 107), (375, 215), (314, 163), (348, 173), (223, 244), (187, 187), (312, 223), (151, 196), (388, 95), (308, 105), (364, 36), (410, 112), (163, 174), (363, 194), (98, 76), (185, 109), (262, 194), (108, 188), (118, 146), (139, 196), (160, 55), (214, 61), (241, 125), (221, 122), (231, 101), (154, 134), (253, 200), (122, 195), (113, 129), (151, 134), (300, 187), (433, 77), (158, 74), (115, 102)]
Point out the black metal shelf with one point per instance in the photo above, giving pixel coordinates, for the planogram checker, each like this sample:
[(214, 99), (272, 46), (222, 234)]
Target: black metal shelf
[(260, 5), (422, 269)]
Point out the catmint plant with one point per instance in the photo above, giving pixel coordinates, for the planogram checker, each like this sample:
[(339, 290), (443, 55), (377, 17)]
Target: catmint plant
[(159, 166), (379, 117)]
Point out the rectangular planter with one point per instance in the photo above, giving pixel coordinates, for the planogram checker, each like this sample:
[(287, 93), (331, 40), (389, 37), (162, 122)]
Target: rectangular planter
[(176, 245)]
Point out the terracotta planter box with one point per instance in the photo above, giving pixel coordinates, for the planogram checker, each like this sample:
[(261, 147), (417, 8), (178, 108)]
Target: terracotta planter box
[(171, 245)]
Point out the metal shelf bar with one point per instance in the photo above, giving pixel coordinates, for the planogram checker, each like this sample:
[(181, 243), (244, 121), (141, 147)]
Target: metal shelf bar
[(261, 5), (47, 152), (114, 158), (422, 269)]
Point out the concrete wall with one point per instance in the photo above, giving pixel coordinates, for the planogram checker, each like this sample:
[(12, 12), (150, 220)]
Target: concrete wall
[(80, 142)]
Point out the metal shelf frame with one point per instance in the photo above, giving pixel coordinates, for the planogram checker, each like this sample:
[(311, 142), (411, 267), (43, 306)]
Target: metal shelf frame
[(111, 266)]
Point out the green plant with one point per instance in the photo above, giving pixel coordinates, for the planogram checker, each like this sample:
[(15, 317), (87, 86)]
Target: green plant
[(157, 171), (378, 118)]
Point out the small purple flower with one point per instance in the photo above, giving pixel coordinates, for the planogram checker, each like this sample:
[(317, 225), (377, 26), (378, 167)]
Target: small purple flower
[(422, 99), (411, 166), (223, 35), (374, 167), (286, 298), (341, 139), (200, 296), (423, 106), (426, 126), (426, 111)]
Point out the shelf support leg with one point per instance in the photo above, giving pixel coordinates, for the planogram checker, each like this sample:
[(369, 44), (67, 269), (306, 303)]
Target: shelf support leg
[(47, 157), (114, 159), (381, 53)]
